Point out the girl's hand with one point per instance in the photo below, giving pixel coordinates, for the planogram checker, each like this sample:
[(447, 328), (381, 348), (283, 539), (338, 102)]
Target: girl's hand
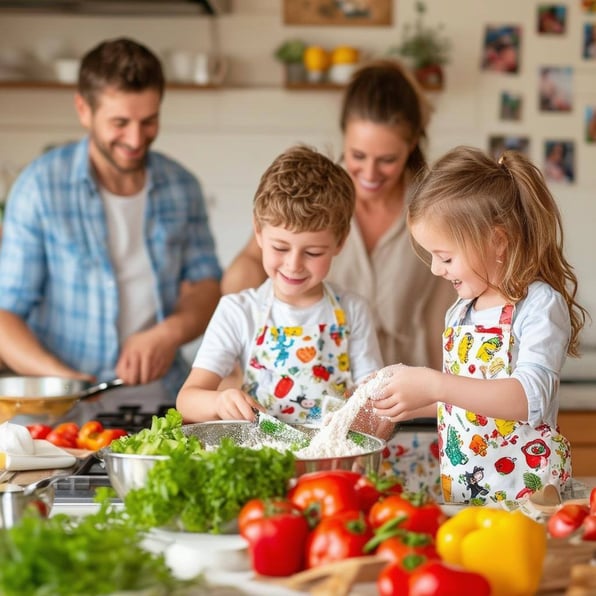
[(233, 404), (408, 390)]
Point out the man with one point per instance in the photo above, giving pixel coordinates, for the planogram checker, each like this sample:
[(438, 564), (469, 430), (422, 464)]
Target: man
[(107, 264)]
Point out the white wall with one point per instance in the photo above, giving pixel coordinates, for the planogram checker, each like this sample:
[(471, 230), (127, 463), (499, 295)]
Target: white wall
[(229, 136)]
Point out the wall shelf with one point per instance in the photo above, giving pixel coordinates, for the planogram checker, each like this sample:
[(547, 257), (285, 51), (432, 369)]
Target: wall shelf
[(59, 85)]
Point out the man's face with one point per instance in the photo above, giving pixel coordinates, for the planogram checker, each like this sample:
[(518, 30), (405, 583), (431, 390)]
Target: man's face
[(121, 129)]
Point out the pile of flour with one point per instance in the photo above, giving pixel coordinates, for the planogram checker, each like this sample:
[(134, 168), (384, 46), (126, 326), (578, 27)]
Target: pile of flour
[(332, 440)]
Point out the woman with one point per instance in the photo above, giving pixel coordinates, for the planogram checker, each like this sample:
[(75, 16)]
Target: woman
[(383, 119)]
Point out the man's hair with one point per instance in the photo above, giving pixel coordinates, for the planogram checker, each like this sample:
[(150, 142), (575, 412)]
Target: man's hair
[(120, 63), (304, 191)]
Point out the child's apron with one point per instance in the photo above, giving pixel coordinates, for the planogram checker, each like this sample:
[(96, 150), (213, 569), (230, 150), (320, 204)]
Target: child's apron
[(298, 373), (487, 459)]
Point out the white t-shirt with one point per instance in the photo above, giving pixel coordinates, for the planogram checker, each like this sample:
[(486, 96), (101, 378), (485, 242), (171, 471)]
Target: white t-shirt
[(541, 330), (230, 336), (128, 253)]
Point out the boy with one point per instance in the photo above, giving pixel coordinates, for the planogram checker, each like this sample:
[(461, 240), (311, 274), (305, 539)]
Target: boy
[(300, 342)]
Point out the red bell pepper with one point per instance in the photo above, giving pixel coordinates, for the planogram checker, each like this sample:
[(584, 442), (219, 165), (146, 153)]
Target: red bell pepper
[(436, 578), (277, 542)]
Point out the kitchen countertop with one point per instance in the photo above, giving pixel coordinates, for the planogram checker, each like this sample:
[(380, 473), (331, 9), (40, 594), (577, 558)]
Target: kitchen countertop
[(224, 560)]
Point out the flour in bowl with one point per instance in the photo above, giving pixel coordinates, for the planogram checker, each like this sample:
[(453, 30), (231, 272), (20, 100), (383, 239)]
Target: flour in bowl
[(332, 439)]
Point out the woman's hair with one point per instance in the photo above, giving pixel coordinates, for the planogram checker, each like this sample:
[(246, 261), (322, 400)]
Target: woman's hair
[(472, 196), (121, 63), (304, 191), (384, 92)]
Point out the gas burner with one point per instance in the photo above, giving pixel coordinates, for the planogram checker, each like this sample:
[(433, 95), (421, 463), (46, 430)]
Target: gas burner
[(130, 417)]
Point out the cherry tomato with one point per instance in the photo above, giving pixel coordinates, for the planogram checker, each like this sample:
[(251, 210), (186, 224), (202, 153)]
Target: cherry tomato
[(277, 543), (338, 537), (258, 508), (416, 514), (566, 520), (409, 550), (322, 494), (39, 431), (393, 581)]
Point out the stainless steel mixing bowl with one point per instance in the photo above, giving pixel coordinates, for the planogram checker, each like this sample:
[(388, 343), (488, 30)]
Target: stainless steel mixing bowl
[(127, 472)]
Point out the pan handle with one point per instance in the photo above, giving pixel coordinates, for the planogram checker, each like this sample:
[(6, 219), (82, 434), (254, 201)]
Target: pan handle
[(95, 389)]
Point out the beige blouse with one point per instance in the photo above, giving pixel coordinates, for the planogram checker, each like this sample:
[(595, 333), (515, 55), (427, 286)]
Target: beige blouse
[(408, 302)]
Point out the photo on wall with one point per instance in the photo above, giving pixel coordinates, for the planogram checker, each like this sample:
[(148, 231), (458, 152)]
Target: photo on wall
[(499, 143), (559, 161), (589, 43), (589, 6), (555, 88), (590, 124), (501, 48), (511, 106), (552, 19)]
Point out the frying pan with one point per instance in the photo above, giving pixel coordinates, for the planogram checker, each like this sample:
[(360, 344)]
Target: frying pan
[(50, 397)]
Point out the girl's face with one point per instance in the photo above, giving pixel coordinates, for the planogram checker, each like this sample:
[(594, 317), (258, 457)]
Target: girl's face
[(297, 262), (375, 157), (450, 262)]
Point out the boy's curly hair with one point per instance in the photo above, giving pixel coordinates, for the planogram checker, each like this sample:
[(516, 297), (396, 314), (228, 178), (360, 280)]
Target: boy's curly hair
[(304, 191)]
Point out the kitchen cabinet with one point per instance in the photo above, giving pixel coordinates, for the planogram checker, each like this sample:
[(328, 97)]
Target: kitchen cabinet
[(578, 426)]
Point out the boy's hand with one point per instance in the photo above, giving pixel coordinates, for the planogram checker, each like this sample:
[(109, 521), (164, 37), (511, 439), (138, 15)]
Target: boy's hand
[(233, 404)]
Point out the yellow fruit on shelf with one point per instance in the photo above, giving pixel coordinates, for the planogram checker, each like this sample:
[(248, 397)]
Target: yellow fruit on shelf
[(316, 58), (345, 55)]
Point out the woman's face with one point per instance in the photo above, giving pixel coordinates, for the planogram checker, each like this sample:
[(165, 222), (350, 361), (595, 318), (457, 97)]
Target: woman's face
[(375, 157)]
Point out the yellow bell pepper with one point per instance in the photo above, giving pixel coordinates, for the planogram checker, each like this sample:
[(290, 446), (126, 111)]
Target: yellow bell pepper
[(507, 547)]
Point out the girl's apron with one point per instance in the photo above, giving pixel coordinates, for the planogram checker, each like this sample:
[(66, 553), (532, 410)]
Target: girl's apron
[(300, 373), (484, 459)]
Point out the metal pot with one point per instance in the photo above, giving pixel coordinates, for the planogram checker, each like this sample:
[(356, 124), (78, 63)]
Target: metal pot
[(48, 397)]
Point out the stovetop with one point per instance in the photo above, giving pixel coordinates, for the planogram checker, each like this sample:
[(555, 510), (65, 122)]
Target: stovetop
[(80, 488)]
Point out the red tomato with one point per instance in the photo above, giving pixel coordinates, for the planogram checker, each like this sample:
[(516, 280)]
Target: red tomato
[(64, 435), (338, 537), (417, 516), (439, 579), (593, 500), (39, 431), (61, 440), (409, 550), (393, 581), (322, 494), (277, 543), (258, 508), (589, 527), (566, 520)]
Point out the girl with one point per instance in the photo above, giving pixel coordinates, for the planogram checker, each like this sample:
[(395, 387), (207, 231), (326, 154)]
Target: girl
[(494, 231)]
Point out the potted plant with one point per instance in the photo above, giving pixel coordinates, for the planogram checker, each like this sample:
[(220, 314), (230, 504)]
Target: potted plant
[(291, 53), (425, 49)]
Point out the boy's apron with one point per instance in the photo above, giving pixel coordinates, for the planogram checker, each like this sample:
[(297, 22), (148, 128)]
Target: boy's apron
[(487, 459), (299, 373)]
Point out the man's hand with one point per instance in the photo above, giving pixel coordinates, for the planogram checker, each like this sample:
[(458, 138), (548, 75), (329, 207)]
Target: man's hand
[(145, 357)]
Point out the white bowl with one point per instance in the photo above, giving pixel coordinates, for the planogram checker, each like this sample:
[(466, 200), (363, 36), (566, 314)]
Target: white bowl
[(341, 73), (67, 69)]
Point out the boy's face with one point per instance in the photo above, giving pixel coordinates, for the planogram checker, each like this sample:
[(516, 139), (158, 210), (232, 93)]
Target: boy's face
[(297, 262)]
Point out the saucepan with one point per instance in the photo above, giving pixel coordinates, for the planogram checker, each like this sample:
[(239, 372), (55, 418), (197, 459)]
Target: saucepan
[(47, 397)]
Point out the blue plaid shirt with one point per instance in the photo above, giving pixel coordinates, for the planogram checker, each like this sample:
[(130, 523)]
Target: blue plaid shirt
[(55, 269)]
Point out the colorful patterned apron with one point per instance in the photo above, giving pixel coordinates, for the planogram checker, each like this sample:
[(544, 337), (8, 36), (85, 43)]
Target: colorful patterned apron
[(487, 459), (413, 456), (300, 373)]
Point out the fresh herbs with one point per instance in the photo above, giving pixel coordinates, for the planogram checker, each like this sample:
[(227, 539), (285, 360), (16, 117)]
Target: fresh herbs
[(165, 437), (204, 493), (96, 554)]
